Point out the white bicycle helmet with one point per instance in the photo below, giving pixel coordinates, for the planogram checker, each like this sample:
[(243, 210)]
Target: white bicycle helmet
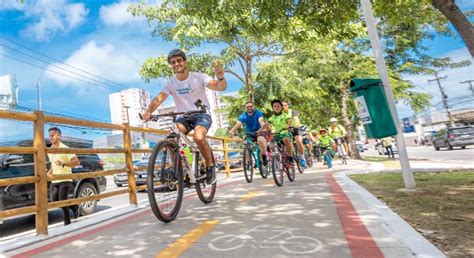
[(333, 120)]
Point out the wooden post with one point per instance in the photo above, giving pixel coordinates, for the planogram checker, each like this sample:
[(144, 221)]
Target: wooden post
[(127, 145), (41, 187), (226, 157)]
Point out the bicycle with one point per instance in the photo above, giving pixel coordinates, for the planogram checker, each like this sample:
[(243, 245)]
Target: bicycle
[(296, 155), (317, 152), (279, 161), (327, 155), (167, 161), (307, 153), (340, 150), (251, 155)]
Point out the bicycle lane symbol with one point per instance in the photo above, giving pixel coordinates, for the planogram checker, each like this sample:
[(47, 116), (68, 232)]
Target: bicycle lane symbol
[(280, 238)]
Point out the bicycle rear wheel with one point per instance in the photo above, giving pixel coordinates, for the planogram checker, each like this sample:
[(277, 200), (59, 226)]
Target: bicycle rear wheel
[(165, 181), (277, 168), (309, 160), (204, 191), (291, 172), (265, 170), (298, 164), (342, 155), (248, 163)]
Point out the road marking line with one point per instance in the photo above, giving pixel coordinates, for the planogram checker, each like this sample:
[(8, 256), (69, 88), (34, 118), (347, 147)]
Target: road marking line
[(248, 196), (182, 244)]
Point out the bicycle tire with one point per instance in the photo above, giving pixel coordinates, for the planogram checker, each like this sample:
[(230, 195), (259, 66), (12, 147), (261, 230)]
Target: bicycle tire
[(204, 191), (247, 162), (342, 157), (171, 181), (298, 164), (277, 169), (309, 160), (264, 170), (291, 172)]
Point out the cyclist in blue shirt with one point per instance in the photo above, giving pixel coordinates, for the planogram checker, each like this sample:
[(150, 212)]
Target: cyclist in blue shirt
[(252, 119)]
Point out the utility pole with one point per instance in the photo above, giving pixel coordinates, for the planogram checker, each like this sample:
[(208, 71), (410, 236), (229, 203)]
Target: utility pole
[(128, 117), (470, 85), (38, 94), (408, 177), (445, 97)]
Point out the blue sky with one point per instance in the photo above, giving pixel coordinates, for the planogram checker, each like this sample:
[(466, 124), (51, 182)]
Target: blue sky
[(100, 37)]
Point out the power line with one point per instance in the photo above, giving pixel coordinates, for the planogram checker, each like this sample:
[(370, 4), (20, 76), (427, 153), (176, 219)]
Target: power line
[(470, 85), (56, 60), (445, 97), (37, 66), (66, 70)]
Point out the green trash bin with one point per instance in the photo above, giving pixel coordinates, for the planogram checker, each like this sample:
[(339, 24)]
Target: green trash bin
[(372, 107)]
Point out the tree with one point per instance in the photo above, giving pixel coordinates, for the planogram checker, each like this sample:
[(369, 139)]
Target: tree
[(464, 27), (245, 37)]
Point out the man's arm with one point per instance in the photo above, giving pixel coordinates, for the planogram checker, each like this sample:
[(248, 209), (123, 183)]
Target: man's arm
[(263, 125), (217, 85), (220, 84), (155, 103), (236, 126), (73, 162)]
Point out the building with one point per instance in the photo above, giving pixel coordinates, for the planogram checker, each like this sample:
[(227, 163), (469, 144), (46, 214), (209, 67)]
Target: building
[(126, 105), (8, 91)]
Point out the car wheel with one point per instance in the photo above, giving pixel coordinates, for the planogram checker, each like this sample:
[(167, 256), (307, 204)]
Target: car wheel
[(463, 147), (87, 189), (436, 147), (119, 185), (449, 146)]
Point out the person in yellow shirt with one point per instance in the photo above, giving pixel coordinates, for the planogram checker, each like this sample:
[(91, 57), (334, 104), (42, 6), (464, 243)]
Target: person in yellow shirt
[(62, 163), (387, 143)]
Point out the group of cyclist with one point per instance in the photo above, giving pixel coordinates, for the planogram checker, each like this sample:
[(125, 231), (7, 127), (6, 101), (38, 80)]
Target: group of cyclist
[(285, 123), (188, 87)]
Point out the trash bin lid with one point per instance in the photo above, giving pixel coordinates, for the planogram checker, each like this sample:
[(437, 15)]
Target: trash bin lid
[(358, 83)]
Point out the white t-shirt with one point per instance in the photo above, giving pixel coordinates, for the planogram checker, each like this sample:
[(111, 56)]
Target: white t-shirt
[(186, 92)]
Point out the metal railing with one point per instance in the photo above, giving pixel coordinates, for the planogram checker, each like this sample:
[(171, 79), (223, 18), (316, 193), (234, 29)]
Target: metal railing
[(41, 178)]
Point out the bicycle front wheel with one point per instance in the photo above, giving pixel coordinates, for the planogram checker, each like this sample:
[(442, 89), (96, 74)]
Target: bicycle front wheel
[(277, 169), (204, 191), (248, 163), (165, 181)]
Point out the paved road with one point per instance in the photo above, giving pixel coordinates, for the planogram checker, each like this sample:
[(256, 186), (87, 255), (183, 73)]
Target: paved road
[(429, 153), (245, 220)]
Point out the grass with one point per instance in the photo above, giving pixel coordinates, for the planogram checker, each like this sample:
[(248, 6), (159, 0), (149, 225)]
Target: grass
[(388, 163), (442, 209)]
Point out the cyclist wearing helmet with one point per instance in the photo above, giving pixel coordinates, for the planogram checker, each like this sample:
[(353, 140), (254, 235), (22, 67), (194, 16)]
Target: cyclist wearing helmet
[(295, 122), (186, 88), (252, 120), (279, 122), (325, 141), (338, 132), (307, 138)]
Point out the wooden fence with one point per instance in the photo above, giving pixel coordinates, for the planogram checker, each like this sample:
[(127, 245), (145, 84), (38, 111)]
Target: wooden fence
[(40, 177)]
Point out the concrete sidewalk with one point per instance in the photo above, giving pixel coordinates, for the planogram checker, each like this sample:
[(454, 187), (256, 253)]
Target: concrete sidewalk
[(322, 213)]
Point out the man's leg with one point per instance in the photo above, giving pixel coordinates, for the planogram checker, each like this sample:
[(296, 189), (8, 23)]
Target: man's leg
[(262, 144), (63, 191), (200, 140), (289, 147)]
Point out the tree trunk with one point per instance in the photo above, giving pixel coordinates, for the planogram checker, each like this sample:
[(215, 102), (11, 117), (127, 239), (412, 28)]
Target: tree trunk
[(347, 122), (248, 79), (464, 27)]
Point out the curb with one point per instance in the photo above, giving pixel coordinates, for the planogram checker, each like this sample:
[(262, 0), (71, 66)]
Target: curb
[(417, 243)]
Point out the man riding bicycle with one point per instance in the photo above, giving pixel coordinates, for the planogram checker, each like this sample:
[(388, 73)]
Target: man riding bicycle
[(252, 119), (307, 138), (338, 133), (187, 88), (295, 122), (280, 122)]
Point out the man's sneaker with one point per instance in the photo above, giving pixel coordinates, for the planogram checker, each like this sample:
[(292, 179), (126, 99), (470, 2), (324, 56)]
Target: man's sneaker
[(303, 163), (264, 160), (211, 175)]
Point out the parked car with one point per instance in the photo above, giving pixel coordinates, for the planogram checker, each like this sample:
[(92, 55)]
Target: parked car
[(361, 147), (20, 165), (454, 137), (140, 169)]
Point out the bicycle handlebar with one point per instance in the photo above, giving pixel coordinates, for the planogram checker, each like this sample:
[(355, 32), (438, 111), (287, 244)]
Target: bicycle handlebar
[(174, 114)]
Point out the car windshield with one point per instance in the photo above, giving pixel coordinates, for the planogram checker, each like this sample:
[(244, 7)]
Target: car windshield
[(466, 130)]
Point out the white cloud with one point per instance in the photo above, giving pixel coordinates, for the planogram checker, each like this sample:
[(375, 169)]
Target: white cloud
[(50, 17), (10, 5), (105, 61), (116, 14)]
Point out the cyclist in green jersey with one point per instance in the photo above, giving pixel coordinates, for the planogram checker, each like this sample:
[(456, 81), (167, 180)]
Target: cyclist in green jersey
[(297, 133), (325, 141), (279, 122)]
